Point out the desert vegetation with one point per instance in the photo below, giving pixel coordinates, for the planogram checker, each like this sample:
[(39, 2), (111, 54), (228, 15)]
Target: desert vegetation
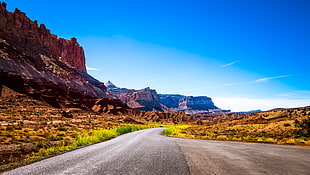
[(25, 138), (89, 137), (31, 129), (283, 126)]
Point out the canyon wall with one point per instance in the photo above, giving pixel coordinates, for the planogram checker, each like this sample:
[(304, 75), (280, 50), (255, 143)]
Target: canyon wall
[(35, 62), (26, 35)]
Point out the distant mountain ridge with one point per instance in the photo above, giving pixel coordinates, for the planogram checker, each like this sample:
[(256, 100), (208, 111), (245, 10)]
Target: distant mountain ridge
[(116, 90), (148, 100), (37, 63), (188, 104), (145, 99)]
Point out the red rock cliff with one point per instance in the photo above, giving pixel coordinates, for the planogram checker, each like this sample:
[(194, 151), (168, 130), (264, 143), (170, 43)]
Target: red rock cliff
[(29, 36)]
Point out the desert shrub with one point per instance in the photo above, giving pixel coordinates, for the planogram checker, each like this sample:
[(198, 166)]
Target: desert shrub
[(62, 128), (177, 130), (212, 135), (86, 138), (124, 129), (10, 128), (170, 131), (66, 114), (303, 127)]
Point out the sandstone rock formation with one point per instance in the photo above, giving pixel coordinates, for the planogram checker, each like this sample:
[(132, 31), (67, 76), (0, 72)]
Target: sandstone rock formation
[(144, 99), (26, 35), (148, 100), (44, 67), (188, 104), (52, 70), (35, 62)]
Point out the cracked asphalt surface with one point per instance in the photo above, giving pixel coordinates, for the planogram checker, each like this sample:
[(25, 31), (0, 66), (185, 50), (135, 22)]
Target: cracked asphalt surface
[(147, 152)]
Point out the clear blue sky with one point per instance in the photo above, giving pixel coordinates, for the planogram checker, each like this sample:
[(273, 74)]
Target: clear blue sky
[(245, 54)]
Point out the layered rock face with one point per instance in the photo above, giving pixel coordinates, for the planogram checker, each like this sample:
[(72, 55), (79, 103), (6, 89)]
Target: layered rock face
[(196, 103), (26, 35), (43, 67), (172, 101), (188, 104), (148, 100), (35, 62), (144, 100)]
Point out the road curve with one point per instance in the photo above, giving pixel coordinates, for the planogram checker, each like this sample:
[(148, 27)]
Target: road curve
[(140, 152), (148, 152)]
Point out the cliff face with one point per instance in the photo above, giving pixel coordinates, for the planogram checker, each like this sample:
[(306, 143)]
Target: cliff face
[(148, 100), (43, 67), (188, 104), (144, 100), (35, 62), (171, 100), (196, 103), (26, 35)]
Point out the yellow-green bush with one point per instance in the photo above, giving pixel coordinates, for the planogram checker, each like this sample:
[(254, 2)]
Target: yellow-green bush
[(90, 137), (177, 130)]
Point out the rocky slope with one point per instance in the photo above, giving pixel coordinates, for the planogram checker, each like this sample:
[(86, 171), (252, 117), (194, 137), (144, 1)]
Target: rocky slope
[(52, 70), (144, 99), (35, 62)]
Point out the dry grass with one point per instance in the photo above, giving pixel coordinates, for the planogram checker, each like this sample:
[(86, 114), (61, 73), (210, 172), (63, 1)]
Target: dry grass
[(23, 138), (28, 126), (276, 127), (31, 128)]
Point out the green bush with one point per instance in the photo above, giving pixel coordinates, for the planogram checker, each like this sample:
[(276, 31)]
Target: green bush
[(176, 130), (87, 138), (124, 129)]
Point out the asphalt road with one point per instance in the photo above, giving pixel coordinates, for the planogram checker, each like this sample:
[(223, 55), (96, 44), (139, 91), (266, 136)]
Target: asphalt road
[(147, 152), (237, 158)]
